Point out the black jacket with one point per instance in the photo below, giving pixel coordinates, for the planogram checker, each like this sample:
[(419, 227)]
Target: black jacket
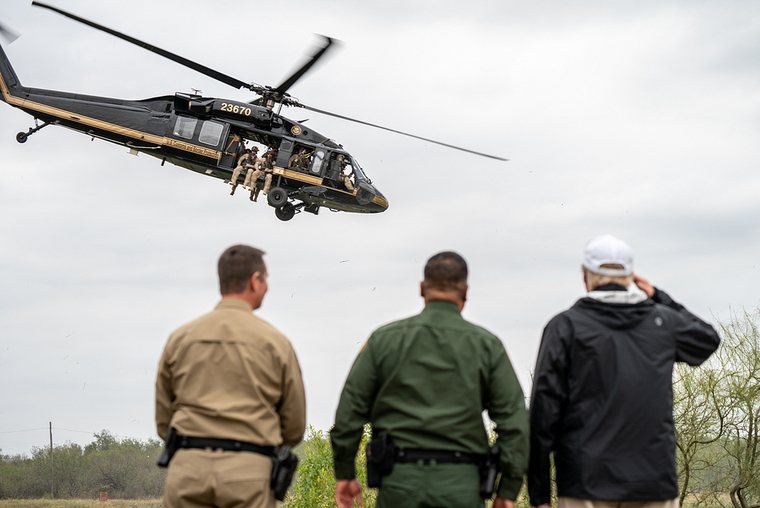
[(603, 400)]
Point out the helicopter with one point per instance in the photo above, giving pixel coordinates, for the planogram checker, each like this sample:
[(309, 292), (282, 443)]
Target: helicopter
[(208, 135)]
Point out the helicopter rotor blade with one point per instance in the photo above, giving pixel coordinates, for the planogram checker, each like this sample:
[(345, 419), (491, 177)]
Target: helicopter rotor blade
[(224, 78), (300, 72), (8, 34), (400, 132)]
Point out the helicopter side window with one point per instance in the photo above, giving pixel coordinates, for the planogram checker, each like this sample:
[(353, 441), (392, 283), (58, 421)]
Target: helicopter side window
[(302, 157), (317, 161), (185, 127), (211, 133)]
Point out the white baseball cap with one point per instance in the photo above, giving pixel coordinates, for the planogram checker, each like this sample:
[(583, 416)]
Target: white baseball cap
[(606, 249)]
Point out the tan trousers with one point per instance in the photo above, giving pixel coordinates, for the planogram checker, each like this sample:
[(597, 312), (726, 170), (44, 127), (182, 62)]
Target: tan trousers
[(199, 478), (255, 176), (235, 175), (345, 180), (247, 182), (569, 502)]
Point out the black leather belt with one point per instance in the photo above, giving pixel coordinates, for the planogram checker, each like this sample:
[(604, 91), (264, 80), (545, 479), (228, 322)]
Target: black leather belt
[(410, 455), (223, 444)]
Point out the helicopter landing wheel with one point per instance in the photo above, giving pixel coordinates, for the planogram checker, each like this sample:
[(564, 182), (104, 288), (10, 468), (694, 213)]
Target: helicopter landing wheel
[(285, 212), (21, 137), (277, 197)]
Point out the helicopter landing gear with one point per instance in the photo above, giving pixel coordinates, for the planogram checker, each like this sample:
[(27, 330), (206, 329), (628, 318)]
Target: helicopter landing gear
[(277, 197), (21, 137), (285, 208), (285, 212)]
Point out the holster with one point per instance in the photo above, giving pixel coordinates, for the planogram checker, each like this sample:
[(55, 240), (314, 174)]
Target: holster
[(170, 447), (284, 464), (381, 454), (489, 469)]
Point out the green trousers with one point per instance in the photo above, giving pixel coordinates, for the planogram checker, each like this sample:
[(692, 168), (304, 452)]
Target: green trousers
[(431, 486)]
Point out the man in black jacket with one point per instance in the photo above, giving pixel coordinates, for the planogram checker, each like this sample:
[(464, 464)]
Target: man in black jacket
[(602, 398)]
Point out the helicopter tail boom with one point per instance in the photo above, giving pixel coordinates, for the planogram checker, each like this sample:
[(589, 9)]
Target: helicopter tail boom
[(8, 79)]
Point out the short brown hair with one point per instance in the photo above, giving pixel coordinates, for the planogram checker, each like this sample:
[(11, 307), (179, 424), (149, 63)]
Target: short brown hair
[(446, 271), (236, 266)]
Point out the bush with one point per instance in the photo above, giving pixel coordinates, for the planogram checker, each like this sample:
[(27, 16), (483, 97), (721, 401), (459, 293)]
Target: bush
[(314, 485)]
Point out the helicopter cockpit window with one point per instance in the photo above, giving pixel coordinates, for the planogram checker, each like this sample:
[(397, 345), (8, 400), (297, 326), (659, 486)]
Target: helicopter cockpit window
[(211, 133), (358, 171), (185, 127)]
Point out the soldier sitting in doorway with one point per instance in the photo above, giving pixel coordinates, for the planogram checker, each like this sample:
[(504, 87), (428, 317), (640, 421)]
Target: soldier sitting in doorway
[(252, 165), (245, 161), (265, 167)]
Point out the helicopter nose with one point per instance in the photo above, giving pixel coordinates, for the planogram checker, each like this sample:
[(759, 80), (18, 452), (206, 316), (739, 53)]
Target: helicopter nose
[(372, 199), (380, 201)]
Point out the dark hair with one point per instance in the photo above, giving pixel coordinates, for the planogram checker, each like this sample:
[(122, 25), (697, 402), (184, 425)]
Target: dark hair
[(236, 265), (446, 271)]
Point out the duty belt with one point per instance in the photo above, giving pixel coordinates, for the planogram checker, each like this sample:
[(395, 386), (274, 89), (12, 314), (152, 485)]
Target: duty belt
[(223, 444), (411, 455)]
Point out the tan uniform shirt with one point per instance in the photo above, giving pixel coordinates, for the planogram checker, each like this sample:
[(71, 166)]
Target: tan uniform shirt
[(231, 375)]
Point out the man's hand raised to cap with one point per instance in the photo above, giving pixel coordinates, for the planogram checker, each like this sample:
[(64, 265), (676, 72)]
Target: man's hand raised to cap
[(643, 285)]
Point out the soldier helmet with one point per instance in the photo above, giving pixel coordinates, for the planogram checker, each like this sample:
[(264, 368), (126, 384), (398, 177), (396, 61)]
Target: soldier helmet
[(255, 149), (340, 157)]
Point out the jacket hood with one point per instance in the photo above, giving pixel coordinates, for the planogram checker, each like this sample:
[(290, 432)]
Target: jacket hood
[(618, 316)]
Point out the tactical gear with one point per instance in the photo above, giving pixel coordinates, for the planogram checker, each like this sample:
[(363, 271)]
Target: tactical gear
[(284, 464)]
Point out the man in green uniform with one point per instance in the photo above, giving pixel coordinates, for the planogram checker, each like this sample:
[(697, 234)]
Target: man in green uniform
[(230, 386), (425, 381)]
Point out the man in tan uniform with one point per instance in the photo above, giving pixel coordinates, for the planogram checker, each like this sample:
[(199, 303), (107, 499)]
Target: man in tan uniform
[(251, 166), (344, 178), (245, 161), (232, 379), (264, 166)]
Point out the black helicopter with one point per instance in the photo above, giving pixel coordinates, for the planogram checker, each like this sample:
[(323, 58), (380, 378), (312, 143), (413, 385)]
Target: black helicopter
[(208, 135)]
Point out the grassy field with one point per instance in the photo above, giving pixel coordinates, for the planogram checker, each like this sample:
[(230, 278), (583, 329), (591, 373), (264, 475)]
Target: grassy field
[(79, 503)]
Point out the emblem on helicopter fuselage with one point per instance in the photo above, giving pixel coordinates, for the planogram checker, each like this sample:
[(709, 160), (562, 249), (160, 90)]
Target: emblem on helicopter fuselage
[(295, 130)]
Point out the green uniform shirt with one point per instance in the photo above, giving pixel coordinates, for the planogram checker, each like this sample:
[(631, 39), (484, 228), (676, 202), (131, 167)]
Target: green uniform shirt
[(425, 381)]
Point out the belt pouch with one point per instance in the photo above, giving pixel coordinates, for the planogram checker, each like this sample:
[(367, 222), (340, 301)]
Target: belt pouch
[(170, 447), (489, 470), (284, 464), (381, 454)]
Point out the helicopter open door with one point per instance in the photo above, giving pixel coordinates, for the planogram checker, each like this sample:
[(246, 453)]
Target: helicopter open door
[(233, 149)]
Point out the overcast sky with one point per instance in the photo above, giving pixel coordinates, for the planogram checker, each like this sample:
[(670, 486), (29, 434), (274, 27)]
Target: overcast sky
[(640, 119)]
